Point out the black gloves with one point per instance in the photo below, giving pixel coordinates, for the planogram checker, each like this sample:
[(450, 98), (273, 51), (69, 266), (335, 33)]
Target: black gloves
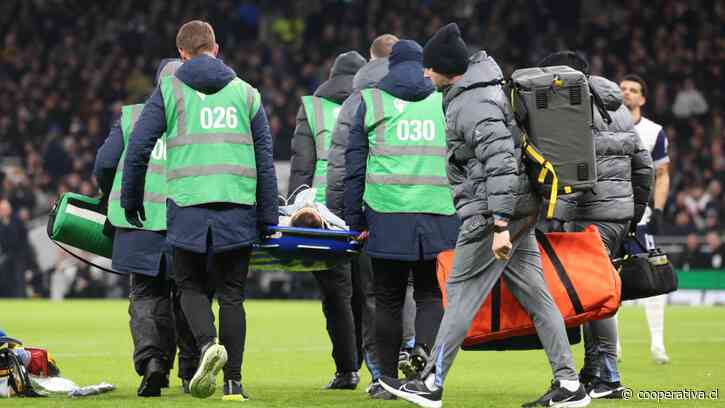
[(134, 216), (264, 231), (655, 222)]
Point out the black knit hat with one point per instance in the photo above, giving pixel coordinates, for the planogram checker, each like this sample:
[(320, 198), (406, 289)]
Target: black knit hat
[(572, 59), (446, 52)]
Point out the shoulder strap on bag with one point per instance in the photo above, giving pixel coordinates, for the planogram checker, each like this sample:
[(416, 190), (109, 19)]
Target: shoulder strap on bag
[(560, 271)]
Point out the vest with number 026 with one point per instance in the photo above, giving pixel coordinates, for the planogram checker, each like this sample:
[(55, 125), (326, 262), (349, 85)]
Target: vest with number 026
[(209, 145), (154, 198), (321, 116), (406, 169)]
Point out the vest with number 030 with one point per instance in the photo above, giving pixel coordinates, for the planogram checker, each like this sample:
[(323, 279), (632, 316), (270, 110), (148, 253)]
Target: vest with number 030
[(321, 116), (210, 150), (406, 171), (154, 198)]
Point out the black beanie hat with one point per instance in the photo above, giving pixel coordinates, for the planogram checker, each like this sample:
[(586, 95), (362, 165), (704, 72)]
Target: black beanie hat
[(446, 52), (572, 59)]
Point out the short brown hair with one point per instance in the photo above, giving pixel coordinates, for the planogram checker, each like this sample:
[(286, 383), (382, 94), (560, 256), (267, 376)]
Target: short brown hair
[(638, 79), (306, 218), (196, 37), (383, 45)]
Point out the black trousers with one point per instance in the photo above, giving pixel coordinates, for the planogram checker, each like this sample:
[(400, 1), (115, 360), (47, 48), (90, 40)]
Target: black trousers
[(199, 278), (390, 281), (363, 310), (158, 325), (336, 293)]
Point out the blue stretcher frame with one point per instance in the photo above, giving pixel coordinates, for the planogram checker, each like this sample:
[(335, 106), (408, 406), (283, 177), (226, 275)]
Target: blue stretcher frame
[(295, 249)]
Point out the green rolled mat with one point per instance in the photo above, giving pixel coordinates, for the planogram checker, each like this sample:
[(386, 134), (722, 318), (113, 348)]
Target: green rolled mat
[(80, 222)]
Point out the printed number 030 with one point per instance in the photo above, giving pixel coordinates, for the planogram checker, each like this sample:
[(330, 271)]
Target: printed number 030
[(415, 130), (219, 118)]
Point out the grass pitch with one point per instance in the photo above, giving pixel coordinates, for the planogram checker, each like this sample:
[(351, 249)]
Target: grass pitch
[(287, 359)]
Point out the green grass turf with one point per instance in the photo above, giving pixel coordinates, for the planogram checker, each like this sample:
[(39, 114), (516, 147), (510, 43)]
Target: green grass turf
[(288, 358)]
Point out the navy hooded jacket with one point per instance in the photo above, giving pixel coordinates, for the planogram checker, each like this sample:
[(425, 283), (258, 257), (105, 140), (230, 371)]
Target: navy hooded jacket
[(134, 251), (216, 227), (397, 236)]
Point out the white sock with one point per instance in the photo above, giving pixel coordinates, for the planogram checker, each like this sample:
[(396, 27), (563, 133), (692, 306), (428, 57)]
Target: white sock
[(654, 309), (430, 382), (571, 385), (619, 341)]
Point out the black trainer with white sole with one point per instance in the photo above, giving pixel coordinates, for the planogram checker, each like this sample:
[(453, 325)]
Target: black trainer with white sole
[(234, 391), (599, 389), (376, 391), (558, 396), (415, 391)]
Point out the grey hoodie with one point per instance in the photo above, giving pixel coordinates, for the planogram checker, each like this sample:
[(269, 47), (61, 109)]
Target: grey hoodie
[(368, 77), (484, 146)]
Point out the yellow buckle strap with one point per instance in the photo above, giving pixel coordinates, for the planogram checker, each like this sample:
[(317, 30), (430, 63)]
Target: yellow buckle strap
[(554, 191), (546, 167)]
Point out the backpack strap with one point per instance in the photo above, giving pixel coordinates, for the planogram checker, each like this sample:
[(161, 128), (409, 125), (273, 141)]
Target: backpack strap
[(600, 105), (546, 169)]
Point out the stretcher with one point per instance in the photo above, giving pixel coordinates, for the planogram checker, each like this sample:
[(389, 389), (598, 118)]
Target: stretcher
[(78, 223), (295, 249)]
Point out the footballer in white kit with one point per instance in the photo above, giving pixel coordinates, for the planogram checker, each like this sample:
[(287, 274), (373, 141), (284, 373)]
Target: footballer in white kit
[(634, 92)]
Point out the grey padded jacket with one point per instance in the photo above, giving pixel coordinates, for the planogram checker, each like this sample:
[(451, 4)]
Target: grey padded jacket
[(624, 166), (485, 165)]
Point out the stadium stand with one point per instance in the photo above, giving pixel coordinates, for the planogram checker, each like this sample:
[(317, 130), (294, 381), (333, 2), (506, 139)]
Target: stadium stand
[(67, 67)]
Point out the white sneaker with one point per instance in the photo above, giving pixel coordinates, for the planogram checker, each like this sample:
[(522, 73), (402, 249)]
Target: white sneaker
[(213, 358), (660, 356), (619, 351)]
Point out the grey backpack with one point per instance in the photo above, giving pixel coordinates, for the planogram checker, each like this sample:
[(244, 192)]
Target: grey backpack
[(553, 107)]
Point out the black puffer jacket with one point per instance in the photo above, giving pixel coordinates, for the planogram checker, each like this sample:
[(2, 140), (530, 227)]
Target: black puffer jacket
[(624, 166), (484, 146), (335, 89), (367, 77)]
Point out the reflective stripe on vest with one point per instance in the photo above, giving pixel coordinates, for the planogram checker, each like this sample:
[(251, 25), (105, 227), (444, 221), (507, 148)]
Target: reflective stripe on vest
[(210, 145), (154, 199), (406, 170), (321, 116)]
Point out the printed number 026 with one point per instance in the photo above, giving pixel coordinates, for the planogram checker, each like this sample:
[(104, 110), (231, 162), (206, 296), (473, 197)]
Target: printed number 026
[(415, 130), (218, 118)]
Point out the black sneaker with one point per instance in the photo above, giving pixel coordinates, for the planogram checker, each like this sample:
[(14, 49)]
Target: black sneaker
[(558, 396), (185, 385), (598, 389), (344, 381), (376, 391), (415, 391), (585, 378), (153, 379), (233, 391)]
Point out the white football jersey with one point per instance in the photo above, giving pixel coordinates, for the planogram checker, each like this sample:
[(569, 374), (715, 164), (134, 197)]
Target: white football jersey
[(654, 139)]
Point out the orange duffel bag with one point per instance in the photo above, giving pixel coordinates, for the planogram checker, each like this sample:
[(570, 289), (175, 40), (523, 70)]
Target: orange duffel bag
[(580, 277)]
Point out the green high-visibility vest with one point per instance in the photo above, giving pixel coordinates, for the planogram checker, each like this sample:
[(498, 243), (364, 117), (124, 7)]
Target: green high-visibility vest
[(321, 116), (406, 168), (210, 150), (154, 198)]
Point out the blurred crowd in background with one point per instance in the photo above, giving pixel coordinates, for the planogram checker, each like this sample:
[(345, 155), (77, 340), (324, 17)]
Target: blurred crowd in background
[(67, 67)]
